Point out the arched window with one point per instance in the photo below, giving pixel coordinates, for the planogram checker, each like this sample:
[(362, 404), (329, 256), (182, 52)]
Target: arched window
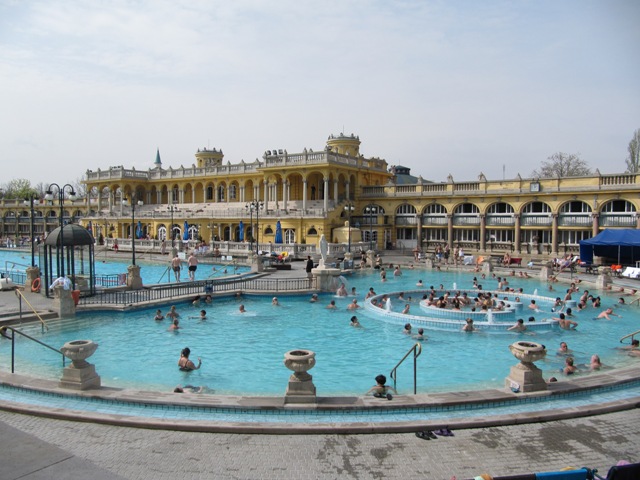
[(290, 235)]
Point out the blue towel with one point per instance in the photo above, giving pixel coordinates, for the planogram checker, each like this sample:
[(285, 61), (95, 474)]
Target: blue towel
[(566, 475)]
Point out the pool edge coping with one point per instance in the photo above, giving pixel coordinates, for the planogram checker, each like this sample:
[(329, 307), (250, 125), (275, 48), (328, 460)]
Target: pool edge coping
[(346, 404)]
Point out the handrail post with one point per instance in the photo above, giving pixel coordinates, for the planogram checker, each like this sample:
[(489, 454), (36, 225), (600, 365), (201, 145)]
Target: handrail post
[(13, 351)]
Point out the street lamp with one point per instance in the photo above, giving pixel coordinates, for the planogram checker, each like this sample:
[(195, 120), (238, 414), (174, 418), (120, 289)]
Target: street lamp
[(29, 202), (370, 210), (49, 197), (133, 223), (349, 208), (171, 227), (255, 205)]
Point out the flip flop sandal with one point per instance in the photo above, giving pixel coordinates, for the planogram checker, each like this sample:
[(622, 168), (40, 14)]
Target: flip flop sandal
[(441, 433), (431, 435), (448, 432), (422, 435)]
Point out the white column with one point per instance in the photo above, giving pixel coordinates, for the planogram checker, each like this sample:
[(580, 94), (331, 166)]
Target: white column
[(325, 204), (304, 195), (335, 192), (285, 193), (266, 196)]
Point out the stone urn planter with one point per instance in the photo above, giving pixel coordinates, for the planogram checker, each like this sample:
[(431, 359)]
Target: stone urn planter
[(78, 351), (300, 388), (80, 375), (528, 352), (525, 376)]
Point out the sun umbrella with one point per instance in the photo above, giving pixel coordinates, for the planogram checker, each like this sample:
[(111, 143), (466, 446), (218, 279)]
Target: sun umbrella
[(278, 232), (139, 230), (241, 232), (185, 235)]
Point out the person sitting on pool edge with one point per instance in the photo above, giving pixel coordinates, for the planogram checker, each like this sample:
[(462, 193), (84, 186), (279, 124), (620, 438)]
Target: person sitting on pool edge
[(185, 364), (188, 389), (380, 390)]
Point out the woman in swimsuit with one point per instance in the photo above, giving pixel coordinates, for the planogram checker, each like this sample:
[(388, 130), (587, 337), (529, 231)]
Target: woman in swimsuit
[(185, 364)]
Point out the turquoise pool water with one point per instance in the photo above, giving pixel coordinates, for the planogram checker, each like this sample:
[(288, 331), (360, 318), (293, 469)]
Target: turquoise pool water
[(243, 353), (151, 273)]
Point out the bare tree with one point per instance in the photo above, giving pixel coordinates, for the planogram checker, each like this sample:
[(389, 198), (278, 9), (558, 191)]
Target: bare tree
[(562, 165), (633, 160), (80, 187)]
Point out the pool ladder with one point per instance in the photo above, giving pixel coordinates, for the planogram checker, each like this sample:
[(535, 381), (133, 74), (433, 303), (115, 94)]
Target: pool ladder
[(416, 350), (12, 337)]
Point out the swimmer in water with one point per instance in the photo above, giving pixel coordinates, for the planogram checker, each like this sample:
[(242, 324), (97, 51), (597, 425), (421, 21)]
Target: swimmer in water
[(185, 364)]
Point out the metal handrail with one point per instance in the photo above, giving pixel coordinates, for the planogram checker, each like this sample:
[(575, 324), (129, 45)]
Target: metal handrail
[(630, 335), (167, 272), (22, 297), (13, 344), (417, 350)]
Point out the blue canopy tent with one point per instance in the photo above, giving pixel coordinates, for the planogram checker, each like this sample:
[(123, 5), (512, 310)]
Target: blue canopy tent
[(623, 245), (241, 232), (278, 238)]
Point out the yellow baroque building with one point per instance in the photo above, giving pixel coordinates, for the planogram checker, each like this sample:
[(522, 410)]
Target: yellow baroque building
[(312, 193)]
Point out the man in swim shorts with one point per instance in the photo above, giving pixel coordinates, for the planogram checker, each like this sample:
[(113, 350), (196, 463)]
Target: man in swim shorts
[(176, 265), (192, 262)]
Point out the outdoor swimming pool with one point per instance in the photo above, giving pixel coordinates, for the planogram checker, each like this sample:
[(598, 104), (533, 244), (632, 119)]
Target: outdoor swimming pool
[(243, 353)]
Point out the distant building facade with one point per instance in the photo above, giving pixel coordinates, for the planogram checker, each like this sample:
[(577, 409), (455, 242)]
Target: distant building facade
[(312, 193)]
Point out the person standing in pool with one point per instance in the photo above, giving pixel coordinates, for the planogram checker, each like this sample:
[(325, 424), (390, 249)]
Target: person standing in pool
[(159, 315), (185, 364), (192, 262), (176, 265), (173, 313)]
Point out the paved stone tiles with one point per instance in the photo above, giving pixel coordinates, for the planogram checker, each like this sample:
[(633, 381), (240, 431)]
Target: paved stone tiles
[(71, 449)]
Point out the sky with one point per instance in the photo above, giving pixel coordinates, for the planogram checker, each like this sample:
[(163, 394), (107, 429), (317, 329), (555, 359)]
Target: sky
[(442, 87)]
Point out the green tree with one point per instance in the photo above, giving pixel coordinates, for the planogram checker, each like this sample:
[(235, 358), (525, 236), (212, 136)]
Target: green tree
[(18, 188), (562, 165), (633, 160)]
